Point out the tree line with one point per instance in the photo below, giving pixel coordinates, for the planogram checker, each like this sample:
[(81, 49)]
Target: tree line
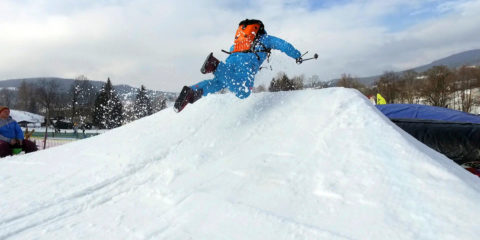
[(83, 105), (438, 86)]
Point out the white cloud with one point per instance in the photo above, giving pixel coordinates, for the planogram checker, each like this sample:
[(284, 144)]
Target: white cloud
[(162, 44)]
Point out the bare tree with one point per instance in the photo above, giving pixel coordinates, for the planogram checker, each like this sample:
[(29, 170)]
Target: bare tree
[(260, 88), (387, 86), (82, 97), (408, 86), (23, 96), (79, 88), (347, 81), (47, 96), (466, 79), (7, 97), (298, 82), (437, 86), (26, 98), (74, 92), (315, 82)]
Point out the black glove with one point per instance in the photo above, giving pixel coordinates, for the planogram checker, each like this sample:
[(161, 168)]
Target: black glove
[(299, 60)]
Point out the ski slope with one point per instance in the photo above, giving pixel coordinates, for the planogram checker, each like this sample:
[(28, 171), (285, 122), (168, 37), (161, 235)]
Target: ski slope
[(313, 164)]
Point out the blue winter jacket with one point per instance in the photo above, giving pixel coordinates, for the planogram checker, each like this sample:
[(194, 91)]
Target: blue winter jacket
[(238, 72), (9, 129)]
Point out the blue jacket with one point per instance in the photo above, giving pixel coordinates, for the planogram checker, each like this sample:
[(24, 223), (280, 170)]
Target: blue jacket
[(250, 60), (238, 72), (9, 129)]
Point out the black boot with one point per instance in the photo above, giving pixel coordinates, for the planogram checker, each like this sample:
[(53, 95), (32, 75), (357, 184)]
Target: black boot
[(187, 95), (210, 64)]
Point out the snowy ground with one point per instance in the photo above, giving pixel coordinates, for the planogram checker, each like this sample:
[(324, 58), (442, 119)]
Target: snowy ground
[(314, 164)]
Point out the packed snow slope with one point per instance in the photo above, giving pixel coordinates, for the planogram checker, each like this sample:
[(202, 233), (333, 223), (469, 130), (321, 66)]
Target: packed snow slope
[(313, 164)]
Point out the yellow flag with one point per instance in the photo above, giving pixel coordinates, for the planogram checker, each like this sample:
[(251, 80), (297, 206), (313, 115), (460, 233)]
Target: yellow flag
[(380, 99)]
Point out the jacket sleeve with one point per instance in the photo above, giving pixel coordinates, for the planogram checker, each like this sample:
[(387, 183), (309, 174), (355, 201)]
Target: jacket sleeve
[(18, 131), (5, 139), (282, 45)]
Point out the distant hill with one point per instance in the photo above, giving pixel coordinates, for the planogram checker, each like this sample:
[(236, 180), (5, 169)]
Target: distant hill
[(467, 58), (126, 92)]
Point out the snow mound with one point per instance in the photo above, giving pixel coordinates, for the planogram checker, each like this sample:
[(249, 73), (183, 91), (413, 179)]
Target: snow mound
[(313, 164)]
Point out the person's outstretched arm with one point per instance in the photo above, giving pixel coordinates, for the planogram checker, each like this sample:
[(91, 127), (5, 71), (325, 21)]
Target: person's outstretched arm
[(282, 45)]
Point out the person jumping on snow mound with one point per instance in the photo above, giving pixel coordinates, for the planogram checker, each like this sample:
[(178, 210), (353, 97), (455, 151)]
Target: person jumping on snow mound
[(251, 47)]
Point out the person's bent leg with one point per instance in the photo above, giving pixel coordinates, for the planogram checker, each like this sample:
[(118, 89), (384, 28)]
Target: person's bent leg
[(241, 84), (213, 85), (208, 86), (29, 146), (203, 88), (186, 96), (193, 93), (243, 93), (5, 149)]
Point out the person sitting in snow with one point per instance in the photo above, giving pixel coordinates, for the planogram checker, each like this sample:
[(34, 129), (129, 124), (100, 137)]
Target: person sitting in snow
[(11, 135), (252, 45)]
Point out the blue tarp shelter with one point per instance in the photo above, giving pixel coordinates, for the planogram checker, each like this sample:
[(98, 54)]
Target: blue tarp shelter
[(424, 112), (454, 133)]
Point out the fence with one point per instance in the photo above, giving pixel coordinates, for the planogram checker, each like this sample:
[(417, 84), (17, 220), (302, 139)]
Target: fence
[(51, 142), (54, 138)]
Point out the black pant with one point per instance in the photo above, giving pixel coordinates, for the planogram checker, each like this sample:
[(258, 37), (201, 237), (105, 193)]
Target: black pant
[(6, 148)]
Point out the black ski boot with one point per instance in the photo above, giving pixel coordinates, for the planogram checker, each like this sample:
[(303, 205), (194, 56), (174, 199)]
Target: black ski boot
[(210, 64), (187, 95)]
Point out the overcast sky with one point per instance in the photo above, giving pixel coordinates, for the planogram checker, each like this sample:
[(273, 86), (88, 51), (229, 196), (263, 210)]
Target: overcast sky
[(162, 44)]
